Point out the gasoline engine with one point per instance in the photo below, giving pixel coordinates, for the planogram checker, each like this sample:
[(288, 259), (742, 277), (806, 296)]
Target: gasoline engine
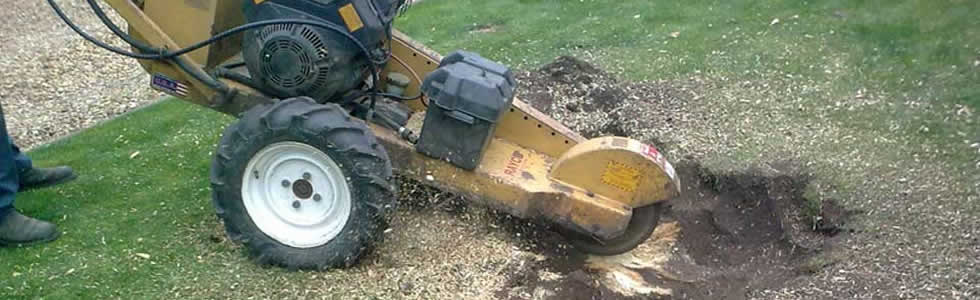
[(321, 62)]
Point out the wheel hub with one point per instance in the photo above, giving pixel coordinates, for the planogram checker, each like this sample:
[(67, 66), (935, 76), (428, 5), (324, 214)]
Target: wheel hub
[(277, 188), (303, 189)]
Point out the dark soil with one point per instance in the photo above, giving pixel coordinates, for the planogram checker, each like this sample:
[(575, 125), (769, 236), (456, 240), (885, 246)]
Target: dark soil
[(738, 231), (748, 231)]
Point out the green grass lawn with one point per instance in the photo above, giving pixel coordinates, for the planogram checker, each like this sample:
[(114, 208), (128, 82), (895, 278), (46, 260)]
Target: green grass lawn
[(123, 207), (919, 58), (138, 222)]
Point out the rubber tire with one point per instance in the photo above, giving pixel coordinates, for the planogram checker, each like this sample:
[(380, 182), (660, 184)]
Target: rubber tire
[(348, 141), (644, 221)]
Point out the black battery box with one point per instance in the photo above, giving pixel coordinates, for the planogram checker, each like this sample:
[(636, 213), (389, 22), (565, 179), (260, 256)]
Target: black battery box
[(468, 94)]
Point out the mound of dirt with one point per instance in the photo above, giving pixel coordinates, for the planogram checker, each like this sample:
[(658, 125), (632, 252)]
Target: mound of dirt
[(595, 103), (726, 235)]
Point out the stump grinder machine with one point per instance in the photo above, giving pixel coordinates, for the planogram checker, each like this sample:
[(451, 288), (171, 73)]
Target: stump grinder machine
[(331, 100)]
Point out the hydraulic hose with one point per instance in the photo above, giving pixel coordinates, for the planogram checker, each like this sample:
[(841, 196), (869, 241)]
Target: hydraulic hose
[(225, 34), (142, 47), (152, 53)]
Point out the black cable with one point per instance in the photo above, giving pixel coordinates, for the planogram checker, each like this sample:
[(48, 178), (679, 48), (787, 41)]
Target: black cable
[(402, 98), (162, 55), (386, 21), (179, 61), (241, 78), (61, 14), (232, 65), (213, 39), (115, 29), (204, 78)]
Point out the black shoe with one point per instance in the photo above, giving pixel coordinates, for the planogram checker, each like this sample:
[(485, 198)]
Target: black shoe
[(35, 178), (17, 230)]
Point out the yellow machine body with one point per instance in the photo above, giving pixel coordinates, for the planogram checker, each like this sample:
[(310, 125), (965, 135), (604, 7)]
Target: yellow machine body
[(533, 167)]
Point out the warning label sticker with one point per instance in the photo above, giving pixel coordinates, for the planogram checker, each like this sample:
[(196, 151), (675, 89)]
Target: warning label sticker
[(621, 176), (351, 18)]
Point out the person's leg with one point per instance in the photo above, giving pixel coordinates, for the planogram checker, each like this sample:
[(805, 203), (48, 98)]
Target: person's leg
[(15, 228), (30, 177), (20, 159), (9, 183)]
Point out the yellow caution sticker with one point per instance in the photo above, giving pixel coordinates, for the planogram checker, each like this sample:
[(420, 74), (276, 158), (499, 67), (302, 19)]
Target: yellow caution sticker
[(351, 18), (621, 176), (259, 1)]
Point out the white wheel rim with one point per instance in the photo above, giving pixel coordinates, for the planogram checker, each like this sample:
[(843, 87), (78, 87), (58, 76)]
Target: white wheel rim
[(280, 209)]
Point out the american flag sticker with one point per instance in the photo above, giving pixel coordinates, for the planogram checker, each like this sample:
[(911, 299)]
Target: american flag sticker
[(165, 84)]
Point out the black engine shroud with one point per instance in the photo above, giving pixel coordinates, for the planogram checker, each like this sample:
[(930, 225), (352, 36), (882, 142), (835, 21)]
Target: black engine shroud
[(302, 60)]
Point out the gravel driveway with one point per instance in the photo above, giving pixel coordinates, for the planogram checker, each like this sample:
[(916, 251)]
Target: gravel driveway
[(54, 82)]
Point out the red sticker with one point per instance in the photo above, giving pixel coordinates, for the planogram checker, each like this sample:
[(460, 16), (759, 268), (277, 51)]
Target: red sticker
[(652, 152), (515, 164)]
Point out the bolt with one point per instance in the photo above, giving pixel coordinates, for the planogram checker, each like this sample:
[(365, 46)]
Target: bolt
[(307, 176), (317, 197), (256, 173), (285, 183), (296, 204)]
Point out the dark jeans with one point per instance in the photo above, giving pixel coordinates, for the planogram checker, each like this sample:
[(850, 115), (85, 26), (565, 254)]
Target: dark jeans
[(12, 161)]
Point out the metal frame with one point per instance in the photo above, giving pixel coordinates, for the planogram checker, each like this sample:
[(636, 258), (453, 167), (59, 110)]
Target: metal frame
[(534, 166)]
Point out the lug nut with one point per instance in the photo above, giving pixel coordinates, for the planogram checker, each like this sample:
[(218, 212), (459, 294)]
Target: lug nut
[(307, 176), (285, 183), (317, 197), (296, 204)]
